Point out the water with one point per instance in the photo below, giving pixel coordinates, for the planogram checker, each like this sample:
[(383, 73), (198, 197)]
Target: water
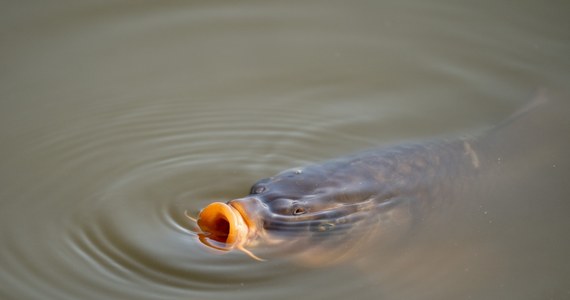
[(116, 117)]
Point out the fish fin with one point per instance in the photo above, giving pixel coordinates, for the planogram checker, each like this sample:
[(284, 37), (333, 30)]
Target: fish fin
[(519, 120), (540, 98), (250, 254)]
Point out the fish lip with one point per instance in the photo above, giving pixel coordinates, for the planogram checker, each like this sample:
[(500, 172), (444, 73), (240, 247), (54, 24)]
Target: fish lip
[(237, 206), (239, 209)]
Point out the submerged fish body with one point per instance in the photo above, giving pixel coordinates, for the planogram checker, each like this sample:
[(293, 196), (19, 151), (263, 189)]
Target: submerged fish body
[(385, 189), (335, 204)]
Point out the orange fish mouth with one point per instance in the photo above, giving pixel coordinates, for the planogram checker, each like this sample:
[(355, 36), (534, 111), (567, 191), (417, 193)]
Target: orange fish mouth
[(222, 223), (225, 227)]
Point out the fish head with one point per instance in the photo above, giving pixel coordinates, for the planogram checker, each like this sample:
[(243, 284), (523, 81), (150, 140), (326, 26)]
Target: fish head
[(302, 209)]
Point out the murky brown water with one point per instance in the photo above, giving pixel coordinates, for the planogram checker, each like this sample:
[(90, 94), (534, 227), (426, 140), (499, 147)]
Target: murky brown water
[(116, 117)]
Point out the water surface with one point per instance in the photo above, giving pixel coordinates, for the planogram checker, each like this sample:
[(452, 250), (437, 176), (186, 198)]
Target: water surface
[(117, 116)]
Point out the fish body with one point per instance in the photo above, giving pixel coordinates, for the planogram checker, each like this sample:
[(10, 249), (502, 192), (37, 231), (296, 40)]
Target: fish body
[(382, 192)]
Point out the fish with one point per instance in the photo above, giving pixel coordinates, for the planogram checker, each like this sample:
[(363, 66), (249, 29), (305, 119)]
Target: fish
[(335, 205)]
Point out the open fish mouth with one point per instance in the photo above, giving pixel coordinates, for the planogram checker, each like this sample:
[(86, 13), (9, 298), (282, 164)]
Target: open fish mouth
[(225, 227), (223, 224)]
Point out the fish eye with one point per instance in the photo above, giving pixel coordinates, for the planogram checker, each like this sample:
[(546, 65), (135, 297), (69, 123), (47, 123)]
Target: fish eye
[(299, 210)]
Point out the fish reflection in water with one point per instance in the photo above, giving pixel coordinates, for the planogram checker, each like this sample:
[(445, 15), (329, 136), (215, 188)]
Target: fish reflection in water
[(333, 208)]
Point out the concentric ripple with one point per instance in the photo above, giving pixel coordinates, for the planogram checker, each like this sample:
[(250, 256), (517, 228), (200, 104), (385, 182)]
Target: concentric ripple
[(117, 118), (133, 171)]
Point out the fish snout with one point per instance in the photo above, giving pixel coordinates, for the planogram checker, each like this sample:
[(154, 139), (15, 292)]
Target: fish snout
[(250, 208)]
